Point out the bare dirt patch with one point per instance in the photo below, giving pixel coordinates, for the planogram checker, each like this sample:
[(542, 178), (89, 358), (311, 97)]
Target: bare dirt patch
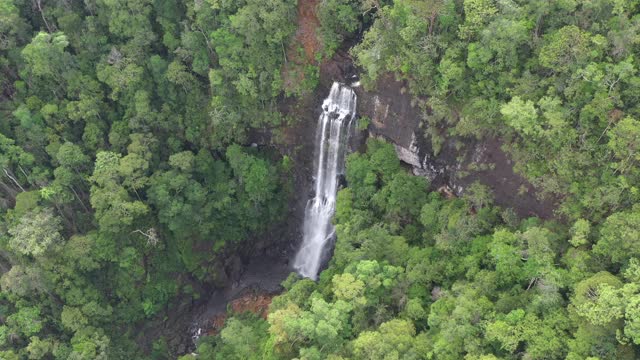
[(305, 46), (307, 34), (255, 303)]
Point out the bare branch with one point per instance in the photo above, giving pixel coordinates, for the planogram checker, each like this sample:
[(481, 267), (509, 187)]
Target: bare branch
[(151, 235), (12, 178)]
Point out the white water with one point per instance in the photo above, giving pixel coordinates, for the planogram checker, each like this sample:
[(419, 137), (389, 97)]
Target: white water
[(338, 111)]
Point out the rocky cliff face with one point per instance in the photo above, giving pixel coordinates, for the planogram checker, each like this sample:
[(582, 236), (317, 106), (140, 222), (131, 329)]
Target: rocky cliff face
[(396, 117)]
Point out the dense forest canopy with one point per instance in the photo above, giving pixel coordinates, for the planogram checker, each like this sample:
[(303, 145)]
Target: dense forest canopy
[(126, 172), (120, 160), (417, 276)]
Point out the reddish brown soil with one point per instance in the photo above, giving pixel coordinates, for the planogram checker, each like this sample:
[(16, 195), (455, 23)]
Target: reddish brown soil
[(305, 45), (308, 23), (250, 302)]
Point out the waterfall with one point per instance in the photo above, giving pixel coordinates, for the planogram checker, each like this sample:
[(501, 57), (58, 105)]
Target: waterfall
[(338, 111)]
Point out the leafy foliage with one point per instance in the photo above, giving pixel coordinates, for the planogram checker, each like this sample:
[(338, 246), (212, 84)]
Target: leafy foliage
[(418, 276), (561, 76), (124, 179), (121, 181)]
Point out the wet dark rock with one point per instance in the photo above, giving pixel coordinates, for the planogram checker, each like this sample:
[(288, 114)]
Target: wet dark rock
[(396, 117), (234, 268)]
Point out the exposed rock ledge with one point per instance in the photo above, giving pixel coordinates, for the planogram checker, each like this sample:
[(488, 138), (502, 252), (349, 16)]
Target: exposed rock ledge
[(396, 118)]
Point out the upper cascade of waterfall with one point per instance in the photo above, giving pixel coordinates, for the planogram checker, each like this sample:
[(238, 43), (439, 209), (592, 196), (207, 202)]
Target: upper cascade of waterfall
[(341, 100), (338, 112)]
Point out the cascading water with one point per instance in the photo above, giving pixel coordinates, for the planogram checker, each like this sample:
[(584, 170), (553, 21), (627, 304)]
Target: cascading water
[(338, 111)]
